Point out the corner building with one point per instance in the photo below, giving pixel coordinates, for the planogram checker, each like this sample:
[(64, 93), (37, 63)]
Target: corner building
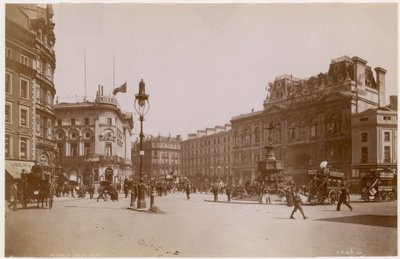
[(93, 140), (161, 159), (29, 88), (206, 156), (311, 119)]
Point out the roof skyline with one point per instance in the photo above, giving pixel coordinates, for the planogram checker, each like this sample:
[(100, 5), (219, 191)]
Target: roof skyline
[(204, 64)]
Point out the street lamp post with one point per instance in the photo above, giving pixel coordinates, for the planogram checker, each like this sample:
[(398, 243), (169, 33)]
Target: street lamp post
[(142, 106)]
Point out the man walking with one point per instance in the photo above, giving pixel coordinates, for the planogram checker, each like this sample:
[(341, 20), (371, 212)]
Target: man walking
[(14, 195), (343, 199), (296, 203)]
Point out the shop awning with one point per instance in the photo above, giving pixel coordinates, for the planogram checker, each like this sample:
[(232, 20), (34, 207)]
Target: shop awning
[(14, 167)]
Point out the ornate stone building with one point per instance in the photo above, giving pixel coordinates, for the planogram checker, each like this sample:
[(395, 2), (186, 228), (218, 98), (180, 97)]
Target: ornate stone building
[(29, 87), (206, 156), (93, 140), (311, 119), (161, 159)]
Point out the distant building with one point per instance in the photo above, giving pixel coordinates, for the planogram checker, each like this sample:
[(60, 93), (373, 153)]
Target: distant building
[(311, 119), (374, 139), (29, 88), (93, 140), (161, 158), (206, 155)]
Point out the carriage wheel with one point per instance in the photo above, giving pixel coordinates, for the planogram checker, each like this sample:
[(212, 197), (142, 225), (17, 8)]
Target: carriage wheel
[(332, 197), (382, 195)]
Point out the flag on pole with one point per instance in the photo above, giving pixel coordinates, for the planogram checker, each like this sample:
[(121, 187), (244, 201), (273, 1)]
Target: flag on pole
[(121, 89)]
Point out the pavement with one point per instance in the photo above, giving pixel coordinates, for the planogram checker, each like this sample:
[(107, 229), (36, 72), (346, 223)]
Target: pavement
[(197, 228)]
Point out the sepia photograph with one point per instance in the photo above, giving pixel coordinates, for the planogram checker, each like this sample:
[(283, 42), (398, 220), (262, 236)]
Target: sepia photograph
[(215, 129)]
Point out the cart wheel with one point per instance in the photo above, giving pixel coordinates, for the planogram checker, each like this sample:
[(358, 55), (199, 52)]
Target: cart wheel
[(332, 197), (382, 196)]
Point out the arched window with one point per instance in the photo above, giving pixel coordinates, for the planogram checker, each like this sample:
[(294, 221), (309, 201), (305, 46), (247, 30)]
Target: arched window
[(314, 127), (333, 127)]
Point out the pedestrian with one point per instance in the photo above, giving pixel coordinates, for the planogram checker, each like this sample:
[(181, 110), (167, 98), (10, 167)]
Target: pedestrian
[(188, 191), (91, 191), (296, 203), (267, 197), (102, 193), (229, 192), (214, 190), (343, 199), (14, 195)]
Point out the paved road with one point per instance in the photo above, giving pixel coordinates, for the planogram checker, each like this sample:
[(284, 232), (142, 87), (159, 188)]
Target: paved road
[(197, 228)]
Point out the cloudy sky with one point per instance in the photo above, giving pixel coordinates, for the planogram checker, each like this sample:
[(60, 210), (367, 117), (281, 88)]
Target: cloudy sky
[(204, 64)]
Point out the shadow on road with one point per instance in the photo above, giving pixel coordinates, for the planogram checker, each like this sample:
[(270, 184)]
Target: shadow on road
[(371, 220)]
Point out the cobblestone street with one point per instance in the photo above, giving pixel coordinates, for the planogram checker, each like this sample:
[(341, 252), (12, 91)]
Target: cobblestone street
[(195, 227)]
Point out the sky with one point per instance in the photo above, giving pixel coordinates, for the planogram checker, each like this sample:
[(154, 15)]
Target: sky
[(204, 64)]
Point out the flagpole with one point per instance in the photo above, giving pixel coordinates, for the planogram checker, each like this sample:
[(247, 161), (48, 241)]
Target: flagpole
[(84, 64), (113, 72)]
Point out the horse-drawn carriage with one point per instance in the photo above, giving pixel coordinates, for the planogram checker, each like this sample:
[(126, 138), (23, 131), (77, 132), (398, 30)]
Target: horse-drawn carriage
[(35, 188)]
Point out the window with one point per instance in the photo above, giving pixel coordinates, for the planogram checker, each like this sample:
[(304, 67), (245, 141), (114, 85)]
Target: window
[(8, 53), (256, 135), (87, 148), (49, 129), (8, 83), (86, 121), (24, 60), (74, 149), (387, 118), (387, 154), (7, 146), (247, 137), (109, 121), (364, 137), (24, 88), (8, 118), (49, 99), (364, 155), (108, 149), (23, 148), (364, 119), (59, 122), (73, 122), (96, 174), (313, 130), (387, 137), (23, 116)]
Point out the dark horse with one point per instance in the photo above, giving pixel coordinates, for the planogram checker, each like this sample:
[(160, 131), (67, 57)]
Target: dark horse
[(34, 187)]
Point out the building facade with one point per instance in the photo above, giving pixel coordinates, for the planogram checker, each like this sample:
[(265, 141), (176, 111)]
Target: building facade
[(93, 140), (206, 156), (374, 139), (311, 119), (29, 88), (161, 158)]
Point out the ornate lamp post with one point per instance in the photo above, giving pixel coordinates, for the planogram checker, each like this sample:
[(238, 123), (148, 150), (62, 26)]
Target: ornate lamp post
[(142, 106)]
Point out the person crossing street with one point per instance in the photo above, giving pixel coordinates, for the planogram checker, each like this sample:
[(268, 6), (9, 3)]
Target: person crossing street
[(296, 203), (343, 199)]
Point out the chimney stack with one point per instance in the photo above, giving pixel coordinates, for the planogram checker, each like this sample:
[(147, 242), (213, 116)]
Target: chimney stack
[(380, 81), (393, 102)]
